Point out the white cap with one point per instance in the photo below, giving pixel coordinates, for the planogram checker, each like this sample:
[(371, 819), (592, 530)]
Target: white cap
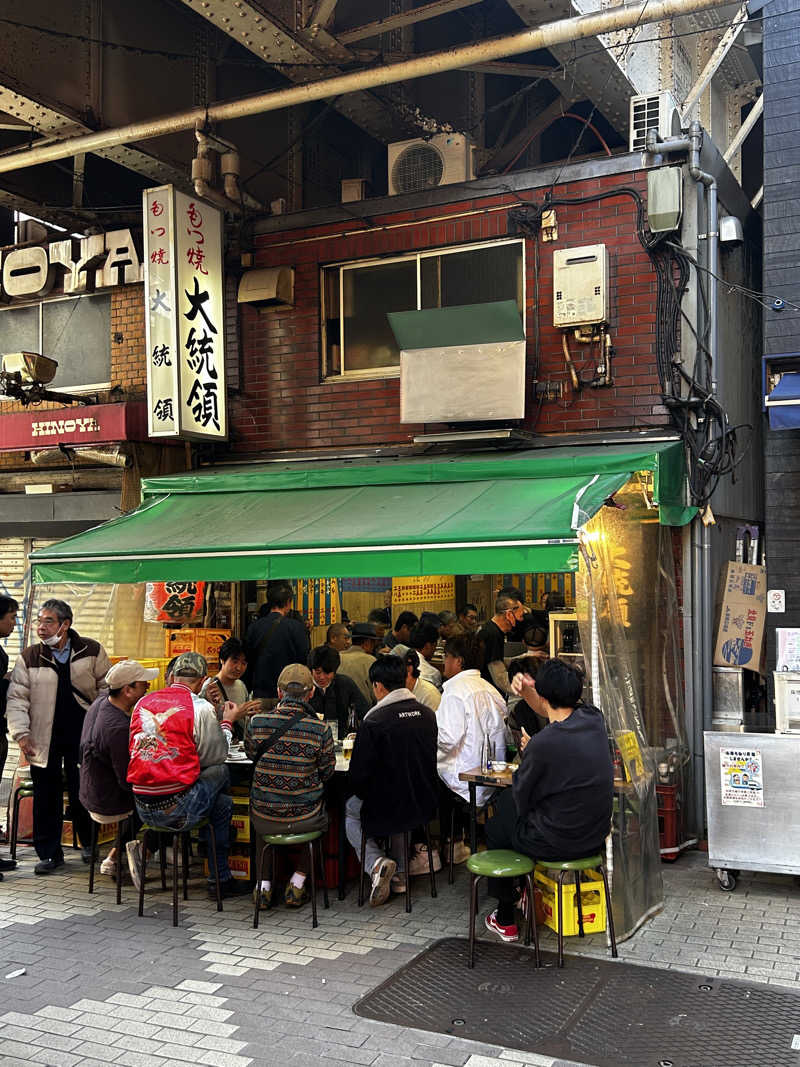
[(128, 671)]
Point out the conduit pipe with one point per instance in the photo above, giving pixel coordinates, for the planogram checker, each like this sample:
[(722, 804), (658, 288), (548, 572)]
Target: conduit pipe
[(561, 31)]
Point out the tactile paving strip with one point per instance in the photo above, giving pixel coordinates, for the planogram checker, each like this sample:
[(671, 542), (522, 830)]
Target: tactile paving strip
[(606, 1013)]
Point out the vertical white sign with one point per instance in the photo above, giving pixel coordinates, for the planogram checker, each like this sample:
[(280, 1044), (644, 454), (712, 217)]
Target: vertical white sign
[(161, 328), (201, 318), (184, 290)]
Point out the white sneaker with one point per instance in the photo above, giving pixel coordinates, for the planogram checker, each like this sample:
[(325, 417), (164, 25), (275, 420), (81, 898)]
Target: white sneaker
[(418, 863), (382, 873), (133, 851), (109, 866)]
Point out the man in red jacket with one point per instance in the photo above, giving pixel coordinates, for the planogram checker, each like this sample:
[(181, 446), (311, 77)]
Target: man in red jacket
[(177, 766)]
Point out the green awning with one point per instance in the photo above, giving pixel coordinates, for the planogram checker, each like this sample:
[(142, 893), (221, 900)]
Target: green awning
[(488, 513), (469, 324)]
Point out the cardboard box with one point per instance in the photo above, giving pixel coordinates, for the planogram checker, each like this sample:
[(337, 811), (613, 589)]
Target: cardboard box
[(239, 863), (240, 820), (742, 617)]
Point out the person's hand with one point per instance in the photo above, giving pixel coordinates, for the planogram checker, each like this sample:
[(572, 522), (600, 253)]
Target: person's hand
[(213, 693), (231, 712), (26, 746), (249, 707), (524, 739)]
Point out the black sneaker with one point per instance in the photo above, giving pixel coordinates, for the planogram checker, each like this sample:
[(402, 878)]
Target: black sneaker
[(48, 866), (7, 865), (232, 887)]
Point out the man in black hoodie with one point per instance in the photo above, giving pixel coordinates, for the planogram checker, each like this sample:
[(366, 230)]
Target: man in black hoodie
[(559, 804), (392, 774)]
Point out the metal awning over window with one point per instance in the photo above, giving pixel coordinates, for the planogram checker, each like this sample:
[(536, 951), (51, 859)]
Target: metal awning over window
[(501, 513)]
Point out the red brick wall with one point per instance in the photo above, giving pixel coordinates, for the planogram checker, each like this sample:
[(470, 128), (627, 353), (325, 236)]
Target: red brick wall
[(285, 404)]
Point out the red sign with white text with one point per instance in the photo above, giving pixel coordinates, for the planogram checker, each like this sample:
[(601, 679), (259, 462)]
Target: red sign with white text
[(95, 424)]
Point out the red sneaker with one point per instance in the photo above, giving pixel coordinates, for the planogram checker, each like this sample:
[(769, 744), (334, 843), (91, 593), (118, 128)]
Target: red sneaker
[(507, 933)]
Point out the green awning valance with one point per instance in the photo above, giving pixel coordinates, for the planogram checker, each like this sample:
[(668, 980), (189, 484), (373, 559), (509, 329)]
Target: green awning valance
[(488, 513)]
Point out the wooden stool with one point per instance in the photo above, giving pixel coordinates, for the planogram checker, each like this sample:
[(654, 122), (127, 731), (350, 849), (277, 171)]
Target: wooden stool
[(596, 862), (407, 853), (285, 841), (121, 821), (179, 837), (501, 863)]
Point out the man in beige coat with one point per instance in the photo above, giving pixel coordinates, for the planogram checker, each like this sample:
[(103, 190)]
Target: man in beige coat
[(52, 685)]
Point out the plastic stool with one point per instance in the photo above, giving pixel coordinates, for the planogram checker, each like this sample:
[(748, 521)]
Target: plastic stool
[(285, 841), (179, 837), (407, 853), (501, 863), (122, 820), (595, 862), (24, 789)]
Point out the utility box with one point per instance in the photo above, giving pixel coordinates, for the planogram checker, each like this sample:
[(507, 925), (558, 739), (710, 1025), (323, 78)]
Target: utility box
[(580, 286)]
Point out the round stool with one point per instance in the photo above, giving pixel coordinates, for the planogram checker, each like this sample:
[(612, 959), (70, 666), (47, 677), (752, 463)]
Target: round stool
[(285, 841), (179, 837), (24, 789), (588, 863), (501, 863), (122, 822)]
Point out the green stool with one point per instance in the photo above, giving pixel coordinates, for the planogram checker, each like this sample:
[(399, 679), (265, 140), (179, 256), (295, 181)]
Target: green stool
[(501, 863), (563, 867), (286, 840)]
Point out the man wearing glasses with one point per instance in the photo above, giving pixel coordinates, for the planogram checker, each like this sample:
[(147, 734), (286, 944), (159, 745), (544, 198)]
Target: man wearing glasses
[(52, 685), (508, 613)]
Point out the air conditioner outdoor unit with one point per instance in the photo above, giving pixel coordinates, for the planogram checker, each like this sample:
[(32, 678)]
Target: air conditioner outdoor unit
[(653, 111), (422, 164)]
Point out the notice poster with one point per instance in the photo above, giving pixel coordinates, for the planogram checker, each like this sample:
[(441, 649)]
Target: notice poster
[(742, 777), (788, 640), (433, 588), (631, 754)]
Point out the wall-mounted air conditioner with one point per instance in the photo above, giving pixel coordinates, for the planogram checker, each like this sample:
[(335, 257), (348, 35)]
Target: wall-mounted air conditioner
[(422, 164), (653, 111)]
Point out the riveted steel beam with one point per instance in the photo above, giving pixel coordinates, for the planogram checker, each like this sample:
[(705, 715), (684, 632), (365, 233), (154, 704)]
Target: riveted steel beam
[(405, 18)]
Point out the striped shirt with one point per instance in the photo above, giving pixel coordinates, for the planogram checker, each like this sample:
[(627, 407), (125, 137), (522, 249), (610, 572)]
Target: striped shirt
[(289, 778)]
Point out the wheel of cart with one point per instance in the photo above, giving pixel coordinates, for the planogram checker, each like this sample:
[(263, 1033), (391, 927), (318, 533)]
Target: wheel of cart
[(726, 879)]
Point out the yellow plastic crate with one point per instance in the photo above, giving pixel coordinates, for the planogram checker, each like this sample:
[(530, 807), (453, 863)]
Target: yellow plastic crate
[(592, 901), (160, 663), (239, 863)]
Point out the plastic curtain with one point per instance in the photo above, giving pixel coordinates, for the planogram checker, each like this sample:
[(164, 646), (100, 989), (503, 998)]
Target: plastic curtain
[(614, 584)]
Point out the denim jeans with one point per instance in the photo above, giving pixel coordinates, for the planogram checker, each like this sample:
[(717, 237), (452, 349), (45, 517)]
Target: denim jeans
[(204, 800)]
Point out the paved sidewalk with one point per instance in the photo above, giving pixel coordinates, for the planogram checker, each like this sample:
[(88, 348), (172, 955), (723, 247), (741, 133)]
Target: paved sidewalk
[(103, 986)]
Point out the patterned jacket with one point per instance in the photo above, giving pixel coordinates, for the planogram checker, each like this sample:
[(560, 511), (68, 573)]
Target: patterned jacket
[(289, 778), (31, 700)]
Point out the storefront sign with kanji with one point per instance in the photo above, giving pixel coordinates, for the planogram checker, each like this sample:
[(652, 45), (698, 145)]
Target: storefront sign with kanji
[(184, 290), (174, 601)]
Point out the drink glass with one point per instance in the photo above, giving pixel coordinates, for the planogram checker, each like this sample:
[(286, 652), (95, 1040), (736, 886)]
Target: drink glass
[(334, 728), (347, 748), (490, 751)]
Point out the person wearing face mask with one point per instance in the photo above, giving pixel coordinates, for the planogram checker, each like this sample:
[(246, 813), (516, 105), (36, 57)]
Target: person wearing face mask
[(53, 683)]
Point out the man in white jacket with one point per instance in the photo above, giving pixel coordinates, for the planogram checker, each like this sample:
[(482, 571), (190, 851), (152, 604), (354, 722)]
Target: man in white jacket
[(471, 709)]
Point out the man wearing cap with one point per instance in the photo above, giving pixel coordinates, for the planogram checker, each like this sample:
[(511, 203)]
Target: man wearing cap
[(177, 764), (292, 750), (52, 685), (357, 660), (105, 792)]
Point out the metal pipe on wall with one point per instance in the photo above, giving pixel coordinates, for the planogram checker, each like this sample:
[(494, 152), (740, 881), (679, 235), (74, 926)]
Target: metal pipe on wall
[(561, 31)]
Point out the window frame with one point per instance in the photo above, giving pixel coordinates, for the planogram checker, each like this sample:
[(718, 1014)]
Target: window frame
[(78, 390), (330, 376)]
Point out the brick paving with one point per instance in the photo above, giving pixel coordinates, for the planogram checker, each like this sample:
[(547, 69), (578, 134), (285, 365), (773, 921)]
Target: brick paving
[(103, 986)]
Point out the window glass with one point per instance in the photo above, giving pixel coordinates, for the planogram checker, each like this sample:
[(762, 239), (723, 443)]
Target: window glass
[(19, 330), (77, 333), (364, 341), (474, 276), (369, 293)]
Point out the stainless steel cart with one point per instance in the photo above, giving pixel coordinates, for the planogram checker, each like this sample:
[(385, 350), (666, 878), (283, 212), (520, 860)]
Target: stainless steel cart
[(753, 801)]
